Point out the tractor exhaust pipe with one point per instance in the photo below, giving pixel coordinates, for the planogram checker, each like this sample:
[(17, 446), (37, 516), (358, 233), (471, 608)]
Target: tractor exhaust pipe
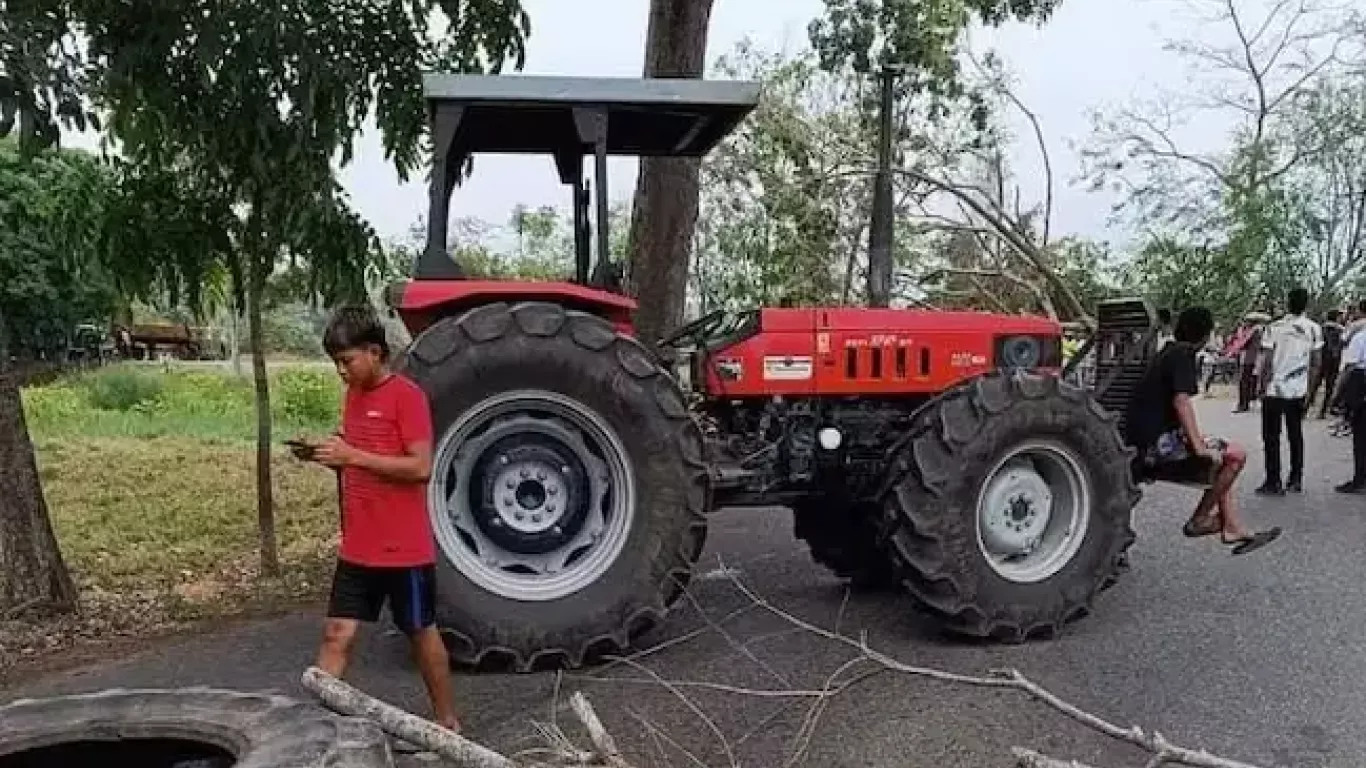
[(881, 228)]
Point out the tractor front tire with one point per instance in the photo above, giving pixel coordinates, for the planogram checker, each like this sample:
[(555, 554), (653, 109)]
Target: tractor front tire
[(569, 491), (1009, 505), (843, 537)]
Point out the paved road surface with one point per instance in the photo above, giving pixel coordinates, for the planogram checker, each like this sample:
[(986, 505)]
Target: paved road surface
[(1256, 657)]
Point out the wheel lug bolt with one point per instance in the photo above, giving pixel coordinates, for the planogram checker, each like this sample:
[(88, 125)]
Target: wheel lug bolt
[(540, 475), (550, 508), (511, 485), (557, 530), (520, 515), (552, 490), (525, 474), (496, 522), (535, 518), (507, 502), (503, 460), (564, 470)]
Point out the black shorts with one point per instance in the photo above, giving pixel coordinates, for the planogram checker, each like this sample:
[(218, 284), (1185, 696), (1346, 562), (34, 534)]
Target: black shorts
[(359, 592)]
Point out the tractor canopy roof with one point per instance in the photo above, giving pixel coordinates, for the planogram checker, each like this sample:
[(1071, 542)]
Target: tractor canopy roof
[(526, 114)]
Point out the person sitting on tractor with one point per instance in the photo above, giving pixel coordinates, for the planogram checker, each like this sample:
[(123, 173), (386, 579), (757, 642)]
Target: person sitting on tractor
[(1161, 424)]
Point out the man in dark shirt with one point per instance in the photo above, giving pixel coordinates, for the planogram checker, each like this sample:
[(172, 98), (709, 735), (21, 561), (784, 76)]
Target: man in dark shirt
[(1332, 361), (1161, 424)]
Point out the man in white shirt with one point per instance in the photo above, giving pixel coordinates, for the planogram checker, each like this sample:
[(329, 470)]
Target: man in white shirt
[(1351, 391), (1291, 348), (1358, 322)]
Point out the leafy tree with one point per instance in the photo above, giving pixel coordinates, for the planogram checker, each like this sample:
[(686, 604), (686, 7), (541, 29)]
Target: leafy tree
[(257, 102), (261, 100), (919, 41), (1260, 77), (533, 245), (1328, 190), (53, 270), (783, 198)]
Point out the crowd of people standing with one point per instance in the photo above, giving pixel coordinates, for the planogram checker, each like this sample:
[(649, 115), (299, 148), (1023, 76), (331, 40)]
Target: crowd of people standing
[(1286, 365), (1294, 365)]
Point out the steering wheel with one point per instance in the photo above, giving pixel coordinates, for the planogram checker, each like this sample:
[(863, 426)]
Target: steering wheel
[(699, 330)]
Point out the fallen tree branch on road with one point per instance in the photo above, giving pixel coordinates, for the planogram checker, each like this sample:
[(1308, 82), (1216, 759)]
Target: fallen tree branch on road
[(345, 699), (1162, 751), (560, 751), (1028, 758)]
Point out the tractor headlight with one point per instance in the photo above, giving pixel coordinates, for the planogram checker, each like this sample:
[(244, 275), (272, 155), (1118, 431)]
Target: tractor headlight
[(1024, 351)]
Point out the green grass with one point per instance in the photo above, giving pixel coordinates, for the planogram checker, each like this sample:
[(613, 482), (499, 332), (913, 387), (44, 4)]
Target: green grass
[(148, 401), (149, 475)]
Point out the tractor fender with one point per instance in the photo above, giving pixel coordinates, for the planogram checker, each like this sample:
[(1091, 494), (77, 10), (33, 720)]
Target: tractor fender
[(420, 303)]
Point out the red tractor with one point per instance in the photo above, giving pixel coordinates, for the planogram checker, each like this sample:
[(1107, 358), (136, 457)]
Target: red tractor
[(574, 475)]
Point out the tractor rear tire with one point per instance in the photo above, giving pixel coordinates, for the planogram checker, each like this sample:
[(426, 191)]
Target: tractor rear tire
[(843, 537), (1045, 464), (576, 413), (184, 727)]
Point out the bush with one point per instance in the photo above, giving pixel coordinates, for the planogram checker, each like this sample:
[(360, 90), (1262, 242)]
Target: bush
[(203, 394), (122, 389), (53, 404), (308, 397)]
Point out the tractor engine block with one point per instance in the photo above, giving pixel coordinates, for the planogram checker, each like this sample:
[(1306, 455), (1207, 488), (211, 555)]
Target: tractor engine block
[(774, 450)]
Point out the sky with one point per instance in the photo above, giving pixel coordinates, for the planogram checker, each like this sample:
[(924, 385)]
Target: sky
[(1091, 54)]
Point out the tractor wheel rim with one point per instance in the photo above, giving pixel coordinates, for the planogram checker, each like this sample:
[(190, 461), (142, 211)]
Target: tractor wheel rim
[(1033, 511), (532, 496)]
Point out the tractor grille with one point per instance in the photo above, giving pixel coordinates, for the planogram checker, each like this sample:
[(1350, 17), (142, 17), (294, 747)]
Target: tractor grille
[(1125, 341)]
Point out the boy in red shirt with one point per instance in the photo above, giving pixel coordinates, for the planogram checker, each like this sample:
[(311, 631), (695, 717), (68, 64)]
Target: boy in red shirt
[(384, 455)]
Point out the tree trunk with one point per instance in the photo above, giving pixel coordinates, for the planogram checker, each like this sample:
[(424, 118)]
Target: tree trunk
[(235, 343), (32, 572), (265, 502), (664, 216)]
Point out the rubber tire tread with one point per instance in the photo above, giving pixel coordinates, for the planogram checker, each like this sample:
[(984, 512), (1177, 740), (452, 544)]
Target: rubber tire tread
[(845, 539), (929, 503), (262, 730), (513, 346)]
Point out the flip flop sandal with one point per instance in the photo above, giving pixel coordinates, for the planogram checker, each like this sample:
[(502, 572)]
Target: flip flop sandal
[(1196, 528), (1256, 541)]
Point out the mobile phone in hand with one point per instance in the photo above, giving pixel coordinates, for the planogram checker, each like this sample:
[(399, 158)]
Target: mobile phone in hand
[(302, 450)]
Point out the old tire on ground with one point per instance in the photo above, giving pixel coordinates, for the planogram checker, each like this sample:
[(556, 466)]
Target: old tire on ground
[(569, 490), (843, 537), (1009, 505), (200, 727)]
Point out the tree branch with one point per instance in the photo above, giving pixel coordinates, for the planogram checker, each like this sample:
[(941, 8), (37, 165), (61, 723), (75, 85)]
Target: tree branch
[(347, 700), (1022, 246), (1154, 742)]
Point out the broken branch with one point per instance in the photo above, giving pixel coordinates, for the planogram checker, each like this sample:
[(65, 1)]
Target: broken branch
[(345, 699), (1154, 743)]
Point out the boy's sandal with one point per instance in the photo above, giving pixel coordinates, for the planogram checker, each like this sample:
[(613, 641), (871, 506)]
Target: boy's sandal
[(1246, 544), (1198, 526)]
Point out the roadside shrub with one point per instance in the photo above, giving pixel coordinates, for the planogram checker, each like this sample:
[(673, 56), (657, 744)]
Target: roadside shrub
[(308, 397), (207, 394), (123, 389), (53, 404)]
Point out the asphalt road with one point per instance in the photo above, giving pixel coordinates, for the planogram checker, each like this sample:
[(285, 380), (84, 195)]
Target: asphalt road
[(1257, 658)]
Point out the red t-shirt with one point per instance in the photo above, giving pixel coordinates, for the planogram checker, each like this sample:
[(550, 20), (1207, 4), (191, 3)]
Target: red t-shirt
[(384, 523)]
